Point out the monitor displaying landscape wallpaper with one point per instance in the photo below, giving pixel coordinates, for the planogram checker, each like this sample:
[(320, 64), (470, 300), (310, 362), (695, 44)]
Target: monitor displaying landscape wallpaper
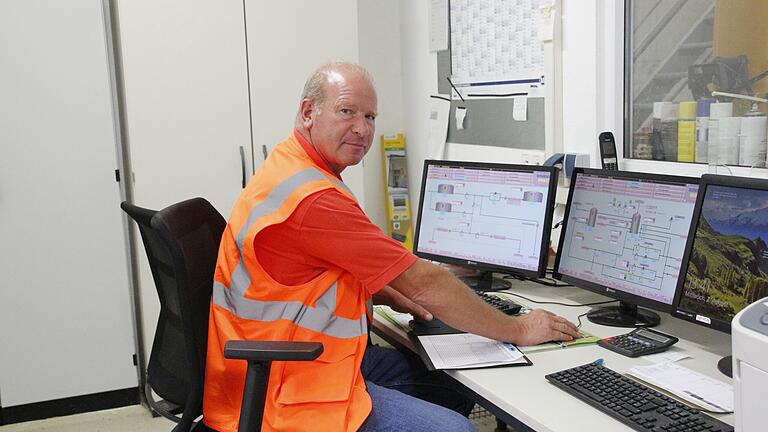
[(728, 266)]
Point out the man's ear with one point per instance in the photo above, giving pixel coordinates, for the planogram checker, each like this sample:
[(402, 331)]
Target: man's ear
[(308, 113)]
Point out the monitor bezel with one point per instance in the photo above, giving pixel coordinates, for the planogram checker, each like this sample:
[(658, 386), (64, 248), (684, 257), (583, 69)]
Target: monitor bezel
[(706, 181), (601, 289), (546, 228)]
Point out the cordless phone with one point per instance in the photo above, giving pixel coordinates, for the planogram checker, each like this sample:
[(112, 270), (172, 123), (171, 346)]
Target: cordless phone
[(608, 156)]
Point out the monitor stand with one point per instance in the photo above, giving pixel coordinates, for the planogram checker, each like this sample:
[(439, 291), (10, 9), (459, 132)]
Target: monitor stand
[(624, 315), (725, 365), (484, 281)]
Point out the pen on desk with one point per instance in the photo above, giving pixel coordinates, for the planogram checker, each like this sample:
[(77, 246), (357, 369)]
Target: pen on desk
[(695, 396)]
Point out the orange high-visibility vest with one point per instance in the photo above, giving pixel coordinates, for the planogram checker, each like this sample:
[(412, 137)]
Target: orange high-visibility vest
[(327, 394)]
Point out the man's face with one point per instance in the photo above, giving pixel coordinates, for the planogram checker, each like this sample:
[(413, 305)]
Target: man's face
[(342, 129)]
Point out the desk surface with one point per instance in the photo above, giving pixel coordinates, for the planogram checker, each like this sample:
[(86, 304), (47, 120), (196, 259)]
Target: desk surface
[(524, 394)]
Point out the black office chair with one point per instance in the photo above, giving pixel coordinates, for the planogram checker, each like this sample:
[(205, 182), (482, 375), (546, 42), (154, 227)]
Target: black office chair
[(182, 243)]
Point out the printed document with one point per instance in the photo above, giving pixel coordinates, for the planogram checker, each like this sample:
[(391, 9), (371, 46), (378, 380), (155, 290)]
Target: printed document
[(696, 388), (466, 351)]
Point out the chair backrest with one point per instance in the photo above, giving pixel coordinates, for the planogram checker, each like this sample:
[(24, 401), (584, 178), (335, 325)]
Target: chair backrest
[(182, 243)]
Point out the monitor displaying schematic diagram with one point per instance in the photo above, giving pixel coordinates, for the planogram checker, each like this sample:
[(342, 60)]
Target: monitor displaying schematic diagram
[(484, 215), (624, 234)]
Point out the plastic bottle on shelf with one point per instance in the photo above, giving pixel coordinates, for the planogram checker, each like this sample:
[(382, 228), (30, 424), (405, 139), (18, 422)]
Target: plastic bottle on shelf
[(719, 140), (686, 131), (657, 149), (669, 131), (702, 130), (752, 138), (642, 147)]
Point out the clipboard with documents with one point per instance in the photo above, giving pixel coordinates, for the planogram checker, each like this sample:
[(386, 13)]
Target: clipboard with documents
[(443, 347), (465, 351)]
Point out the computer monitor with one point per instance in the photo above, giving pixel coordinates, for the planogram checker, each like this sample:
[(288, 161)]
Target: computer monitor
[(489, 216), (623, 236), (725, 267)]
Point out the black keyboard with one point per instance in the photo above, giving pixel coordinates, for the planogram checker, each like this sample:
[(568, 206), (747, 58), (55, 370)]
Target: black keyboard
[(634, 404), (507, 306)]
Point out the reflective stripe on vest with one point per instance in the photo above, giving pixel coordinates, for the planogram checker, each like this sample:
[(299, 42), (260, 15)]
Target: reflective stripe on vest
[(279, 194), (319, 318)]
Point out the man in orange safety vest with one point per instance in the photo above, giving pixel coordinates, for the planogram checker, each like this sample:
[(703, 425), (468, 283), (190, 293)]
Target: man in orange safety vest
[(300, 261)]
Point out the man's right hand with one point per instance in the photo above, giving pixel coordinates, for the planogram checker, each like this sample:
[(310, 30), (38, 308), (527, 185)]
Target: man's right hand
[(539, 326)]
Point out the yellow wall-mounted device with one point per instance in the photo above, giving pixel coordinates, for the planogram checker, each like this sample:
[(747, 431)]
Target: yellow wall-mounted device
[(396, 189)]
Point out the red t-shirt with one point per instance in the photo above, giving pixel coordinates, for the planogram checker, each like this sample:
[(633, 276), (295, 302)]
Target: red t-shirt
[(326, 230)]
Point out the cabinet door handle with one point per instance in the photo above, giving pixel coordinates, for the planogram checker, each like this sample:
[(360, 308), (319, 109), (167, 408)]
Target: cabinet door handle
[(242, 164)]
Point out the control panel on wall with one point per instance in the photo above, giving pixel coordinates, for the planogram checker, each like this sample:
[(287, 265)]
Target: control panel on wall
[(608, 156), (398, 204), (396, 181)]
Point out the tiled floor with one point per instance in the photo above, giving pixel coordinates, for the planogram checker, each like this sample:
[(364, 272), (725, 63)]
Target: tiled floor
[(128, 419), (138, 419)]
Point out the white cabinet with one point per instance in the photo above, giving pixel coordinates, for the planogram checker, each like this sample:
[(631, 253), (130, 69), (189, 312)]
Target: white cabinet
[(187, 66), (186, 110), (65, 312), (186, 99)]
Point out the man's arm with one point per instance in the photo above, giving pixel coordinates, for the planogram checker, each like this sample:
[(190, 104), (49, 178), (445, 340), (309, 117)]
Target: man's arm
[(451, 301), (392, 298)]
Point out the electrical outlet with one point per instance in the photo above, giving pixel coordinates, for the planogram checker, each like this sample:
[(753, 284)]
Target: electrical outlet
[(531, 157)]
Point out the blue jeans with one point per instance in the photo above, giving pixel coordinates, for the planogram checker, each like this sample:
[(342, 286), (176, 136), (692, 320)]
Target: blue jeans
[(407, 397)]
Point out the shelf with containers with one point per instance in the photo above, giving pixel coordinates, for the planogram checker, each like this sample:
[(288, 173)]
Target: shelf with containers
[(682, 52)]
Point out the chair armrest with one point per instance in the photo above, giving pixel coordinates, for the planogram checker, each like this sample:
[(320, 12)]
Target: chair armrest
[(272, 350), (260, 355)]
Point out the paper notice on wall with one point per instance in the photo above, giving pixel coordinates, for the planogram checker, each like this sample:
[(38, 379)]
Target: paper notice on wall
[(439, 112), (520, 108), (461, 113), (547, 20), (438, 25)]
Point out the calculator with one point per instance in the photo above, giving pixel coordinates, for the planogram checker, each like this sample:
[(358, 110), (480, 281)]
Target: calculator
[(638, 342)]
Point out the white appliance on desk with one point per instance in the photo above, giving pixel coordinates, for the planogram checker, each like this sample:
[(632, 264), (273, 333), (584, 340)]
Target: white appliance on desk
[(750, 366)]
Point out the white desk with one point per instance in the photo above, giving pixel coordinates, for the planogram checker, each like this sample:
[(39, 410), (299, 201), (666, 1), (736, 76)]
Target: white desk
[(522, 395)]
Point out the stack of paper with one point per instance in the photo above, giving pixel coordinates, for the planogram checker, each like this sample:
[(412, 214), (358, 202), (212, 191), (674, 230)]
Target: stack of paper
[(399, 319), (700, 390)]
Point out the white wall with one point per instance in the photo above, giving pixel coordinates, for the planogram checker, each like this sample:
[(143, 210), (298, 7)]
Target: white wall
[(419, 82), (580, 80), (379, 39)]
